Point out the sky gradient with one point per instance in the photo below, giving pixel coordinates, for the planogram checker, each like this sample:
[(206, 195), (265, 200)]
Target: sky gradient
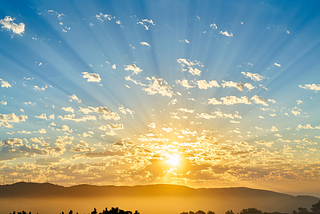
[(197, 93)]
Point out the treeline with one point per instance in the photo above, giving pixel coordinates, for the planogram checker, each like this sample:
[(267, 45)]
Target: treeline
[(105, 211), (315, 209)]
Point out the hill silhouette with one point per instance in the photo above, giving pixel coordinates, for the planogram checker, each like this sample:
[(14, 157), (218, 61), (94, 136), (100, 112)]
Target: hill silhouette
[(150, 199)]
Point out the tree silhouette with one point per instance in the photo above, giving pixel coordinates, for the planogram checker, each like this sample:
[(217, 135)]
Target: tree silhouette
[(211, 212), (200, 212), (251, 211), (316, 208), (229, 212)]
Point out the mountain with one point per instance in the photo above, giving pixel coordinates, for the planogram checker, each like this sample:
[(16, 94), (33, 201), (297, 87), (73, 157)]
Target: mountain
[(150, 199)]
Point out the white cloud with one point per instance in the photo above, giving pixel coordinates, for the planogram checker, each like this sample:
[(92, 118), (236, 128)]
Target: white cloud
[(274, 129), (229, 100), (114, 66), (184, 83), (5, 118), (299, 102), (272, 101), (74, 97), (102, 17), (124, 110), (276, 64), (240, 86), (4, 84), (311, 87), (3, 102), (69, 109), (214, 26), (186, 110), (134, 68), (8, 23), (158, 86), (253, 76), (66, 128), (91, 77), (202, 84), (145, 43), (146, 23), (225, 33), (42, 116), (194, 71), (72, 117), (259, 100)]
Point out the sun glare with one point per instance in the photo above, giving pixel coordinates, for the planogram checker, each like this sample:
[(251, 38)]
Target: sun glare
[(173, 159)]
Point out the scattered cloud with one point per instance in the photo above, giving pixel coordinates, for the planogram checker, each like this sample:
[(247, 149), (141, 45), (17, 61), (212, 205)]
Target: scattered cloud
[(4, 84), (276, 64), (74, 97), (253, 76), (311, 87), (8, 23), (225, 33), (134, 68), (91, 77), (145, 43)]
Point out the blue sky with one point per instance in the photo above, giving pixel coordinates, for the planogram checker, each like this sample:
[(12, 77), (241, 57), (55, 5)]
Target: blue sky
[(198, 93)]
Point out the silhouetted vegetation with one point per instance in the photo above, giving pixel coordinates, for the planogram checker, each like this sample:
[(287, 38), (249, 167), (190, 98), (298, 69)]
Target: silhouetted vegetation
[(315, 209)]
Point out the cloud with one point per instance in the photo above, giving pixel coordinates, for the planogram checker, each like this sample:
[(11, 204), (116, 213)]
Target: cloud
[(5, 118), (259, 100), (146, 23), (3, 103), (276, 64), (186, 110), (203, 84), (145, 43), (42, 116), (124, 110), (240, 86), (134, 68), (37, 88), (69, 109), (184, 83), (72, 117), (299, 102), (66, 128), (189, 64), (307, 126), (74, 97), (158, 86), (311, 87), (102, 17), (8, 23), (114, 66), (214, 26), (91, 77), (274, 129), (229, 100), (253, 76), (152, 125), (225, 33), (4, 84), (272, 101)]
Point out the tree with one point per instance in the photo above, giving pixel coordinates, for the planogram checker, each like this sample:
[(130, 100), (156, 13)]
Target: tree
[(70, 212), (316, 208), (200, 212), (302, 210), (211, 212), (229, 212), (251, 211), (94, 211)]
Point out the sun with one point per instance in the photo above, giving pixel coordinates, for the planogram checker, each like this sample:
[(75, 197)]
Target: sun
[(173, 159)]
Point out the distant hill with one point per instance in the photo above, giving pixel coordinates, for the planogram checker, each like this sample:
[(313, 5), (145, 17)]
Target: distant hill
[(149, 199)]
